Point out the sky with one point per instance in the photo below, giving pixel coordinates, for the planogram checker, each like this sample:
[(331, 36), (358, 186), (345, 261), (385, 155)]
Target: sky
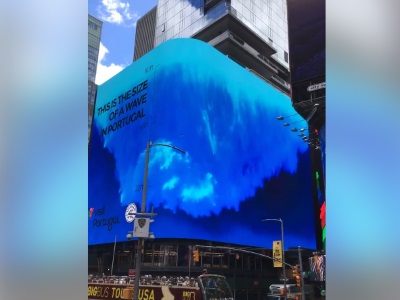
[(119, 19)]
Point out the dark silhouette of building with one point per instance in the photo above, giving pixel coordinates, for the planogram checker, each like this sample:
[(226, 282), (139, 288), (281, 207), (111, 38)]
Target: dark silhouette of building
[(307, 67)]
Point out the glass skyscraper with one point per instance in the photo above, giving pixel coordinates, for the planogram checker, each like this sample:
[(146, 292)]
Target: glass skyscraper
[(144, 37), (94, 36), (254, 33)]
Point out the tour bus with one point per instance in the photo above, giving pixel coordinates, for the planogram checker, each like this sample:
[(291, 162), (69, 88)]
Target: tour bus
[(205, 287)]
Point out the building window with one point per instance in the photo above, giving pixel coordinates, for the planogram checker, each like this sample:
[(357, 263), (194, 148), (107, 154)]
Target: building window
[(209, 4), (270, 32), (92, 25), (181, 25), (286, 56), (163, 27), (253, 17)]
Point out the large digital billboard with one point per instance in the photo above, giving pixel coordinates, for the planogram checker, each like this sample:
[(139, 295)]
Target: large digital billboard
[(240, 164)]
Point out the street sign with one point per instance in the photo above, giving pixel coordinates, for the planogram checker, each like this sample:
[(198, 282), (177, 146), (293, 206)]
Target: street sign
[(130, 212), (315, 87), (277, 254), (141, 228)]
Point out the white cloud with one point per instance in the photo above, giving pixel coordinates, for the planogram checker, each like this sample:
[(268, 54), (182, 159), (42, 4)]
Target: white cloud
[(200, 192), (117, 12), (104, 72), (170, 184), (102, 52)]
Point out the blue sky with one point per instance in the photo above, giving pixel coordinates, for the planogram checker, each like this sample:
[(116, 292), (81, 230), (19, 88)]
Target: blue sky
[(119, 19)]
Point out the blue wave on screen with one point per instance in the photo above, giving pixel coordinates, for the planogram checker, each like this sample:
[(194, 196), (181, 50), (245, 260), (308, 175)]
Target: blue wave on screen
[(221, 115)]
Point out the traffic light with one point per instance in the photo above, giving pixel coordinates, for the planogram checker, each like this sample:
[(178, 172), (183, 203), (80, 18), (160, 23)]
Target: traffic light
[(298, 280), (296, 271), (296, 275), (196, 256)]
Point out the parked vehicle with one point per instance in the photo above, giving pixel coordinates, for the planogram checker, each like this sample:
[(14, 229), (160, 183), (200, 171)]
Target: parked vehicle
[(204, 287)]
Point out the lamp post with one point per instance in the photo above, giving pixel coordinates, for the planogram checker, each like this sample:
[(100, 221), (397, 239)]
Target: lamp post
[(303, 296), (143, 213), (283, 253)]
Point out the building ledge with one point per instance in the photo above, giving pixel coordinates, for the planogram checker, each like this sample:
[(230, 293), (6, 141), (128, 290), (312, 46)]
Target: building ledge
[(229, 22)]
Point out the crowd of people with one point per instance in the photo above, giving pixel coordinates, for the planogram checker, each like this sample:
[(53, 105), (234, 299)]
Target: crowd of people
[(145, 280)]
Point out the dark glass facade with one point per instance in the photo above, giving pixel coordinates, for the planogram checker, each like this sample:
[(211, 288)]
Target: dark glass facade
[(307, 67)]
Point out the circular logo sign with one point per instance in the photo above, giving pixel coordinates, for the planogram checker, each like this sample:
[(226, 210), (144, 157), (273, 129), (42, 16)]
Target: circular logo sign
[(130, 212)]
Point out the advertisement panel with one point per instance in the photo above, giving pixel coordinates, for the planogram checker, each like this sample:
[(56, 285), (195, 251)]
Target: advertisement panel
[(277, 254), (116, 291), (239, 165)]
